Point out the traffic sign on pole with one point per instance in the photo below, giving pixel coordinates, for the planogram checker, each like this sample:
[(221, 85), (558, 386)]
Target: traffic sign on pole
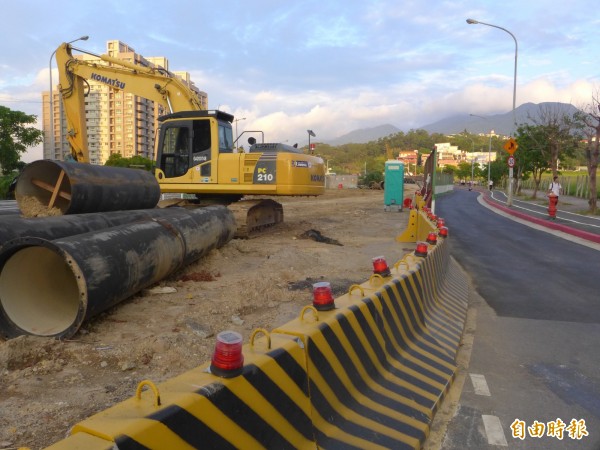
[(511, 146), (511, 161)]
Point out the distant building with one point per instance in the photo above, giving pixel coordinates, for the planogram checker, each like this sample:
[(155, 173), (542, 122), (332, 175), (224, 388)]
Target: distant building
[(451, 155), (117, 122)]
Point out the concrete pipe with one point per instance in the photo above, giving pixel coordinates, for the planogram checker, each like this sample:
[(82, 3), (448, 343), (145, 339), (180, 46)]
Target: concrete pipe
[(60, 187), (50, 288)]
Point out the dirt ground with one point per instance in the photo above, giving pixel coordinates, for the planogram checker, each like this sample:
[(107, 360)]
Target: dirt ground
[(47, 386)]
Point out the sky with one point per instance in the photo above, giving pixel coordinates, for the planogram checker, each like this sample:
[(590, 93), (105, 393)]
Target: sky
[(330, 66)]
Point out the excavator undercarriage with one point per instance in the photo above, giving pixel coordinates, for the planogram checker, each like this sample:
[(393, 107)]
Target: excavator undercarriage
[(251, 215)]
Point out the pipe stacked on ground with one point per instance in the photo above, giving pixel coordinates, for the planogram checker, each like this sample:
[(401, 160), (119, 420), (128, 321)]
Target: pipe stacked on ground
[(71, 188), (51, 287), (55, 227)]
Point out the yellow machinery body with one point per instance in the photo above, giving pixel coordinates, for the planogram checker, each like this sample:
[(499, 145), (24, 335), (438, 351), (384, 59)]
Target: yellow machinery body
[(195, 155), (195, 151)]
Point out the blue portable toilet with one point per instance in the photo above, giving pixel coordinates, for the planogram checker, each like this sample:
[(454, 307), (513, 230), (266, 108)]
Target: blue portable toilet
[(393, 187)]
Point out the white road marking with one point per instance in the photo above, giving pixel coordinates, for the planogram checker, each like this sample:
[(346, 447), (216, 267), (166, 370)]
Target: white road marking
[(479, 384), (545, 214), (494, 431), (557, 233)]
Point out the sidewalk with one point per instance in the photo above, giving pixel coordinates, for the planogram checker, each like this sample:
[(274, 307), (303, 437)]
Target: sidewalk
[(567, 203), (569, 218)]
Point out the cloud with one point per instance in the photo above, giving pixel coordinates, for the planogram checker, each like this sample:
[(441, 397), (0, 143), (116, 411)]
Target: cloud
[(331, 66)]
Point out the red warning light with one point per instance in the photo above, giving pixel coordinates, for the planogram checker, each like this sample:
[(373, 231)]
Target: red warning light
[(444, 232), (322, 296), (440, 222), (380, 266), (432, 238), (421, 249), (227, 360)]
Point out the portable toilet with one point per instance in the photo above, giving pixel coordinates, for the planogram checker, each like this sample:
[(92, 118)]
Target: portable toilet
[(393, 187)]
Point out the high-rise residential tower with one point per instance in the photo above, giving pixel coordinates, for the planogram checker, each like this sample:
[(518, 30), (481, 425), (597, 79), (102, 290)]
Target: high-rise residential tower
[(117, 121)]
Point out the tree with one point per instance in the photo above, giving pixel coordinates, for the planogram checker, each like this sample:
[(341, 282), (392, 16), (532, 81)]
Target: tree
[(558, 129), (116, 160), (371, 179), (16, 137), (464, 170), (589, 124), (497, 170), (533, 152)]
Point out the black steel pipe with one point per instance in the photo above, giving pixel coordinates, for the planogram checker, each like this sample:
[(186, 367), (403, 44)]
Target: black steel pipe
[(73, 188), (55, 227), (50, 288)]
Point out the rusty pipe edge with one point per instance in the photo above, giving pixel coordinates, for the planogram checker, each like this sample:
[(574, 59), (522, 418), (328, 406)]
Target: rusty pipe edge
[(50, 288), (86, 188)]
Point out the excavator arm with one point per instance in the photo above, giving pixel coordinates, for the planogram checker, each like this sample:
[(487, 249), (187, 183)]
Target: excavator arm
[(156, 84)]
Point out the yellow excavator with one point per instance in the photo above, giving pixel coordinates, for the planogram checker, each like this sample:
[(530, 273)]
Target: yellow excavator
[(195, 152)]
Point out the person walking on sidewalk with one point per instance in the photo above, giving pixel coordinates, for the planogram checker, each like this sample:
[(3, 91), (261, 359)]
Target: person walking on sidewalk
[(554, 188), (491, 184), (553, 194)]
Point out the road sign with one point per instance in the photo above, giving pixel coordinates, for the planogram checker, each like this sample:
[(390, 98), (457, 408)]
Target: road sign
[(511, 146), (511, 161)]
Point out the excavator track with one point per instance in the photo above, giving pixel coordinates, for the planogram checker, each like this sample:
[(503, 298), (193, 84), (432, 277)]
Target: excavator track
[(252, 216)]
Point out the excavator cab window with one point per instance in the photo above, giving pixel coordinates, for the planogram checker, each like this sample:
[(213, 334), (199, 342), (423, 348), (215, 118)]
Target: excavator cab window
[(202, 146), (175, 159), (225, 138)]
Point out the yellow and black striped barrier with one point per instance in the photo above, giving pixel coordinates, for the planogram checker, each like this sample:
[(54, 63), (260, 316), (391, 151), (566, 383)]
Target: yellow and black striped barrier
[(369, 373)]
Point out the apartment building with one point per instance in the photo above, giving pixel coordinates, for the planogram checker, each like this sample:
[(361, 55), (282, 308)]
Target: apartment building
[(117, 121), (451, 155)]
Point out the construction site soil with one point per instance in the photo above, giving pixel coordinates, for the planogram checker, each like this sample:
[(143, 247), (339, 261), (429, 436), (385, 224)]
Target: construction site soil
[(47, 386)]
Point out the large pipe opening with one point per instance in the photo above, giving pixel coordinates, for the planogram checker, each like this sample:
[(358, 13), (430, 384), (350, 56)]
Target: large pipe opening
[(39, 183), (39, 292), (48, 187), (49, 288)]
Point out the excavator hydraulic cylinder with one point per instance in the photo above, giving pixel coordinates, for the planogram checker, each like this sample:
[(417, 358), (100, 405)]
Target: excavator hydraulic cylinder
[(64, 187), (50, 288)]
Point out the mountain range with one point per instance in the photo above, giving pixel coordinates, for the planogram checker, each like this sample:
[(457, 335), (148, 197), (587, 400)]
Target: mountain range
[(502, 124)]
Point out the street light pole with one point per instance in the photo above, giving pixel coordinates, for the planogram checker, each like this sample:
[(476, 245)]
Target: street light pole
[(51, 96), (237, 136), (510, 170)]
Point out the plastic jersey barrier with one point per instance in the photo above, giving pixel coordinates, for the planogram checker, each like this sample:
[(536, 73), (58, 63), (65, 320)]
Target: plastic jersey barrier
[(267, 406), (419, 226), (370, 373)]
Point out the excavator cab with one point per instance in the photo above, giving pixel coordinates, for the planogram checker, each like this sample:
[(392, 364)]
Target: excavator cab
[(186, 142)]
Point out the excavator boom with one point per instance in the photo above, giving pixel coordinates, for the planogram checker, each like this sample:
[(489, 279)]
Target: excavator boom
[(152, 83)]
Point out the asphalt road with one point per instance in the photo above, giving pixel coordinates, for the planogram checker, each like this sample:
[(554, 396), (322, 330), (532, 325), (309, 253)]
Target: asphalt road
[(536, 348), (9, 207)]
